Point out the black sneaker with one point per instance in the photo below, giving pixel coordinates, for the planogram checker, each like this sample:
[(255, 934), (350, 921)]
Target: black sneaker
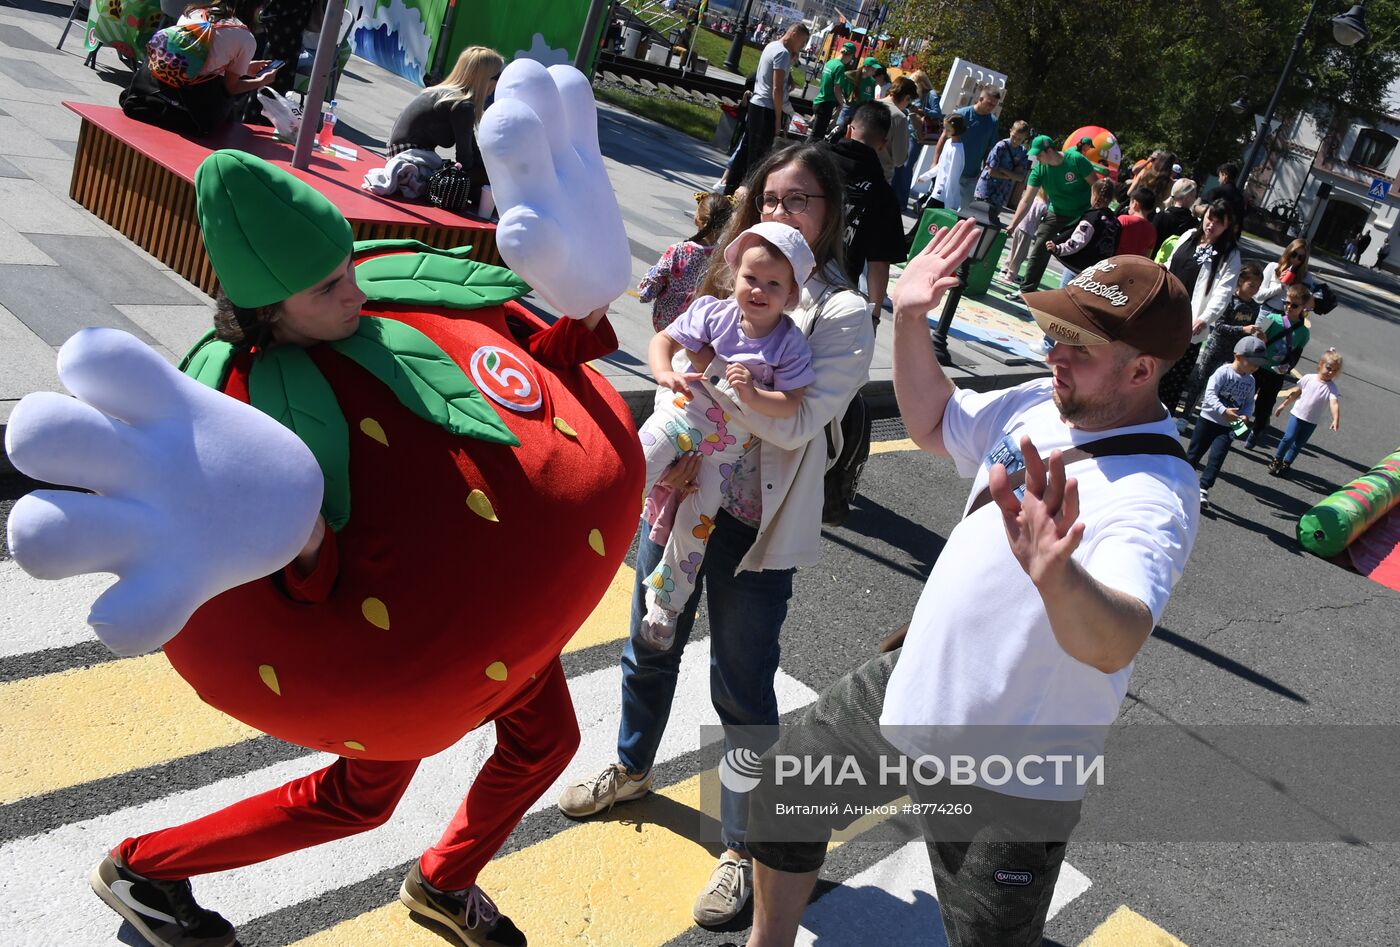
[(469, 914), (163, 912)]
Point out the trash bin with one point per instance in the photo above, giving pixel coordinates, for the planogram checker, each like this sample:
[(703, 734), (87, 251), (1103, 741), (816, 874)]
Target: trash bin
[(631, 40), (979, 276)]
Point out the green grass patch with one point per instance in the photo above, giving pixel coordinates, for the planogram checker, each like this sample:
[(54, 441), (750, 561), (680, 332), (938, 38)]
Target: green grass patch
[(715, 48), (693, 120)]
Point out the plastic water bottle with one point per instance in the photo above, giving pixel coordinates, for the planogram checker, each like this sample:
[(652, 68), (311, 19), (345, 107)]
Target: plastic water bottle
[(327, 126)]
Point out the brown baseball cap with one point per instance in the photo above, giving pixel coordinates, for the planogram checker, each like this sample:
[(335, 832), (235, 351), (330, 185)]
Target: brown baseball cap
[(1126, 299)]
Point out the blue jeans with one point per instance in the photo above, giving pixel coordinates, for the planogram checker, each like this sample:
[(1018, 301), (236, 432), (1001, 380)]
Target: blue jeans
[(1213, 437), (746, 613), (1294, 437)]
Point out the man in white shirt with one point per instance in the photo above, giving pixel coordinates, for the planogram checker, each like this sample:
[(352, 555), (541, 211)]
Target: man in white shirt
[(1036, 607), (765, 116)]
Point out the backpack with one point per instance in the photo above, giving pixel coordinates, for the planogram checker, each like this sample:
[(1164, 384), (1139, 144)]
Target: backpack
[(177, 53), (1168, 247), (1102, 245), (843, 468)]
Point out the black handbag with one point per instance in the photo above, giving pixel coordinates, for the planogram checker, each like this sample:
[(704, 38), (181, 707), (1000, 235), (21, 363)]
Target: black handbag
[(1324, 298), (450, 188)]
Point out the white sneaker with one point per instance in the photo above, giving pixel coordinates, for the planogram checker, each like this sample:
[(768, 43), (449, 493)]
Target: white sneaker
[(726, 893), (607, 789), (1205, 498)]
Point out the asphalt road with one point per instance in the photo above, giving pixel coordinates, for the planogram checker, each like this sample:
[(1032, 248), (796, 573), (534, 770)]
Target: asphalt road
[(1257, 632)]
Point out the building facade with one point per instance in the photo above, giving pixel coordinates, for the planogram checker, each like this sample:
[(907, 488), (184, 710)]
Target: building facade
[(1331, 171)]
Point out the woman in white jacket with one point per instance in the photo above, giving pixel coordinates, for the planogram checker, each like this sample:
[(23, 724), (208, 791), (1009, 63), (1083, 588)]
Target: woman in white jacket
[(1207, 261), (769, 523)]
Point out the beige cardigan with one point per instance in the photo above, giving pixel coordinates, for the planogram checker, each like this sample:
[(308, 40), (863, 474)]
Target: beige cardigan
[(792, 462)]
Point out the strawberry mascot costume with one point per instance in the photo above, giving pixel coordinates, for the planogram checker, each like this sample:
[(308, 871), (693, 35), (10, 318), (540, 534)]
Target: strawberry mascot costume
[(432, 437)]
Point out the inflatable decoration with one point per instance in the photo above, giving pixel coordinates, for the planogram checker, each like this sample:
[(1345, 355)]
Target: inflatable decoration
[(1102, 150), (540, 147), (1330, 526), (480, 484)]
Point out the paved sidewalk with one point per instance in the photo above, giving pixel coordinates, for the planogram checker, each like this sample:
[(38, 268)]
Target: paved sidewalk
[(62, 269)]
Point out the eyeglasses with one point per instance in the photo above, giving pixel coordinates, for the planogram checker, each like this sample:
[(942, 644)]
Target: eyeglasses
[(1295, 305), (794, 202)]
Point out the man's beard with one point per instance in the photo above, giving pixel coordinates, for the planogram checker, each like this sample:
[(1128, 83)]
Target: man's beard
[(1085, 413)]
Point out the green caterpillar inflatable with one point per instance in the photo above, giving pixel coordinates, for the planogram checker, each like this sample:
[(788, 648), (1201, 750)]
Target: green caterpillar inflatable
[(1330, 527)]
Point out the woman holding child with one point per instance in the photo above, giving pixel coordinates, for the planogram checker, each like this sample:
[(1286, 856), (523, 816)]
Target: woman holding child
[(769, 518)]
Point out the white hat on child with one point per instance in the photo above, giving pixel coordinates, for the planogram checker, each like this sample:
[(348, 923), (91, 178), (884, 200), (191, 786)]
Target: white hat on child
[(788, 240)]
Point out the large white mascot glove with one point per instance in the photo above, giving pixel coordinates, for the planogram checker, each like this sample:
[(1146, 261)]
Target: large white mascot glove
[(193, 492), (560, 227)]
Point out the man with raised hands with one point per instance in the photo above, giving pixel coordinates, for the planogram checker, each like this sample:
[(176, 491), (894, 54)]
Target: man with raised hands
[(1023, 641)]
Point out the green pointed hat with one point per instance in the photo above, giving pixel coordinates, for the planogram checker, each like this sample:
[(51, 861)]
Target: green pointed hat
[(269, 235)]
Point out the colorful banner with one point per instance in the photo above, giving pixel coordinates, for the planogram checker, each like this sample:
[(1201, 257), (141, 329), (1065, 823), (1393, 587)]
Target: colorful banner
[(414, 38)]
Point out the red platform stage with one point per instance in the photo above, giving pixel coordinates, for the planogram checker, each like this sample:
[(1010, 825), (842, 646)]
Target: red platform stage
[(140, 180)]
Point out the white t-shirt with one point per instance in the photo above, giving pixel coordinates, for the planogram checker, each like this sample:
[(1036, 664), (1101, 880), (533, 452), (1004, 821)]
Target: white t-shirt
[(1315, 396), (948, 172), (980, 649), (775, 56)]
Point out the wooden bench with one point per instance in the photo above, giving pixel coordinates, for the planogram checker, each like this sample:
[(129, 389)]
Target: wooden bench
[(139, 179)]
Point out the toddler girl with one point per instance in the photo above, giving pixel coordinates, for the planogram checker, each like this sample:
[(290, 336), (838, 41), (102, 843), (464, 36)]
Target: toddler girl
[(769, 366), (673, 279), (1311, 393)]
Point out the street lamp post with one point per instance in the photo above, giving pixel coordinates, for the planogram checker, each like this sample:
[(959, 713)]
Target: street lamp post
[(987, 234), (1348, 29), (736, 48), (1237, 106)]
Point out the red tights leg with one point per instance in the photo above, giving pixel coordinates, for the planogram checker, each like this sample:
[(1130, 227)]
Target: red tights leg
[(347, 797), (535, 740)]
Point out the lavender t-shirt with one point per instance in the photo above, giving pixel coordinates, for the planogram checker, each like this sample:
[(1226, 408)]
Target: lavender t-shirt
[(780, 361)]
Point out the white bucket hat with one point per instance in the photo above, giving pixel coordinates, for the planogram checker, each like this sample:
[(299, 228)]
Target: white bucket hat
[(788, 240)]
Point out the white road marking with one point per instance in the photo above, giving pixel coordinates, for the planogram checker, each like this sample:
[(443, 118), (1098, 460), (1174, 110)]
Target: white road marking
[(37, 614)]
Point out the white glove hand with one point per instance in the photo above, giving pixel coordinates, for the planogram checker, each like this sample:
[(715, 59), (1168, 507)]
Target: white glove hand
[(560, 228), (193, 492)]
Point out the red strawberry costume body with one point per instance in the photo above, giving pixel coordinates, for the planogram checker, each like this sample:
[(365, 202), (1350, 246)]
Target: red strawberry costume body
[(423, 618), (481, 488)]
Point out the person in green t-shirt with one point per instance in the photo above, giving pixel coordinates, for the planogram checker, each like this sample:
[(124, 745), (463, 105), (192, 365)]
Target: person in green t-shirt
[(1065, 177), (835, 90)]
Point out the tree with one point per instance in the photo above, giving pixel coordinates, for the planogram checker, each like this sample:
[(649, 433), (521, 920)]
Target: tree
[(1156, 72)]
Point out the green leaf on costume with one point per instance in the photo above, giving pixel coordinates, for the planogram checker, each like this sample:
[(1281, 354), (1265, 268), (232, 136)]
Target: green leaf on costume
[(363, 247), (286, 385), (437, 278), (208, 361), (424, 379)]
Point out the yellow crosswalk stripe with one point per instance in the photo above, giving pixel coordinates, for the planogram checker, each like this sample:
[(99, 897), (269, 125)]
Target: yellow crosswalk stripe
[(627, 879), (619, 880), (886, 447), (63, 729), (1127, 928), (60, 730)]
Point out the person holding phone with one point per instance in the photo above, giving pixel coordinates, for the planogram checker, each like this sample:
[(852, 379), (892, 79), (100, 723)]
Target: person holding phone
[(196, 71)]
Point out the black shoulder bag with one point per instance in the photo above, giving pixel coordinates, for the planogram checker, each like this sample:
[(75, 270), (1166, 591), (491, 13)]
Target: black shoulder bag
[(844, 467)]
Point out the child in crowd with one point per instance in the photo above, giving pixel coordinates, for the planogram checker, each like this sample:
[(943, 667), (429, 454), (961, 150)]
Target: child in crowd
[(1311, 393), (1021, 240), (1094, 237), (1285, 335), (1234, 325), (1228, 401), (769, 368), (669, 284), (947, 170)]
